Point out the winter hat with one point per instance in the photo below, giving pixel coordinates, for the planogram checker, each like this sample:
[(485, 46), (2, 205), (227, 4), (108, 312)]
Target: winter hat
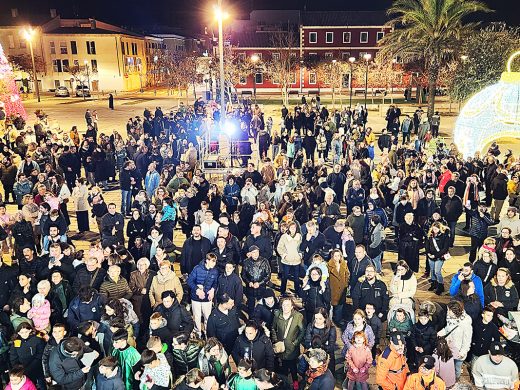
[(268, 293)]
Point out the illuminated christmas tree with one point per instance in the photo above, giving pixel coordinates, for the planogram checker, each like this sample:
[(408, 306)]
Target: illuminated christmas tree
[(9, 95)]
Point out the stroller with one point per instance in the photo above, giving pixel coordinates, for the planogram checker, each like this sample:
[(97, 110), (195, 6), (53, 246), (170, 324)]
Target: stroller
[(409, 308), (510, 330)]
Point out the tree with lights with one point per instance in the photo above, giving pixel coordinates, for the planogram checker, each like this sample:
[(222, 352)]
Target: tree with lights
[(482, 60), (429, 30), (9, 94)]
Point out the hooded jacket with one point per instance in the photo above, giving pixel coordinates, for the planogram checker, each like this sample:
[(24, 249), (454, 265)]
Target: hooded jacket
[(113, 383), (82, 311), (259, 349), (65, 369), (479, 289), (425, 337), (28, 352), (177, 317), (288, 249)]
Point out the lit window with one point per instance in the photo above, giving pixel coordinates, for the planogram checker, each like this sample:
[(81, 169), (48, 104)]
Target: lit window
[(312, 78)]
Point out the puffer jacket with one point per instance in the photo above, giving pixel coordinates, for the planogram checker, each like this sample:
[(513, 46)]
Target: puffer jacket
[(403, 288), (288, 249), (117, 290), (507, 294), (460, 332), (479, 225), (186, 359), (202, 276), (177, 317)]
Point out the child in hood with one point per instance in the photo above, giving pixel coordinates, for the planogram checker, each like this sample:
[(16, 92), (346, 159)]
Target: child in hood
[(40, 313), (18, 380)]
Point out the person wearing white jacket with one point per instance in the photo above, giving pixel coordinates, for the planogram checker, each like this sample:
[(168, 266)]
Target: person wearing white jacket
[(458, 332), (403, 287), (288, 249)]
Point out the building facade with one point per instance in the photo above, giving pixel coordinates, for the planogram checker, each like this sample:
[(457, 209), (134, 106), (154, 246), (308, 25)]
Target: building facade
[(318, 36), (84, 51)]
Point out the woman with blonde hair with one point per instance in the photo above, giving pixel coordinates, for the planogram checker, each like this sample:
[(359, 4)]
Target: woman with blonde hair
[(415, 193), (437, 245), (489, 245), (288, 249), (501, 293)]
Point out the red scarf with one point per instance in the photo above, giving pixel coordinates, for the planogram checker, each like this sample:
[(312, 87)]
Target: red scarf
[(313, 374)]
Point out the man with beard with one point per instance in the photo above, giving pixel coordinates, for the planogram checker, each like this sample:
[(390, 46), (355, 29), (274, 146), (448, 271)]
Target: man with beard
[(371, 290), (336, 180), (262, 242), (223, 322)]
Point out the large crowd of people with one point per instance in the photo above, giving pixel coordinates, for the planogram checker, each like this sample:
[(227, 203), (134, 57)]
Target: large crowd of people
[(278, 259)]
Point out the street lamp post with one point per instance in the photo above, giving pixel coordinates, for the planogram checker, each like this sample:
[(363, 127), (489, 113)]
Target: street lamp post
[(394, 61), (88, 78), (221, 15), (351, 61), (254, 60), (367, 58), (28, 35), (155, 58)]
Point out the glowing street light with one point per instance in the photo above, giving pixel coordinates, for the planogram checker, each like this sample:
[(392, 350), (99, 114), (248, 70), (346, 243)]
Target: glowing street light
[(254, 59), (367, 57), (28, 34), (221, 15), (351, 61)]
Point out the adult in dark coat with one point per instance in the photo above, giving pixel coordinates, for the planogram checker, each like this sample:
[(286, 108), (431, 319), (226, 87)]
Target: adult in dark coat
[(230, 283), (65, 366), (451, 210), (424, 336), (71, 166), (490, 171), (256, 238), (194, 250), (315, 293), (177, 317), (223, 322), (484, 333), (255, 345), (111, 101), (27, 350), (410, 241), (90, 274), (312, 242), (256, 272), (371, 289)]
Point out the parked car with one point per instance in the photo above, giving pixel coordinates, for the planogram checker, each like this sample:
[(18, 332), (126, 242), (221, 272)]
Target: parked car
[(82, 90), (62, 91)]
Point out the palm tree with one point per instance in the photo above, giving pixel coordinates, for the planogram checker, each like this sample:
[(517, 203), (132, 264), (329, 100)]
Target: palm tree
[(429, 30)]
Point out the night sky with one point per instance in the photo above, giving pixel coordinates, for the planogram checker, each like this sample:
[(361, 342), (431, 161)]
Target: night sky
[(190, 14)]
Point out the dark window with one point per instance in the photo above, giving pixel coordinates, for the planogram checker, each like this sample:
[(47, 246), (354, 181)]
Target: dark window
[(65, 65), (73, 47), (91, 47), (93, 64)]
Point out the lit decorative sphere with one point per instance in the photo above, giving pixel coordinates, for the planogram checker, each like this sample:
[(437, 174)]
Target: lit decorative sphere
[(490, 114)]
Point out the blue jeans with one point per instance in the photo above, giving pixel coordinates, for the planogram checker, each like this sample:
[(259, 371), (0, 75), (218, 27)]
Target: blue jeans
[(126, 202), (458, 367), (436, 270), (336, 144), (292, 272), (377, 262)]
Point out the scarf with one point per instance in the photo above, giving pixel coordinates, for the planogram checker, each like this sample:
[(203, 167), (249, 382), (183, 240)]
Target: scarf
[(314, 373)]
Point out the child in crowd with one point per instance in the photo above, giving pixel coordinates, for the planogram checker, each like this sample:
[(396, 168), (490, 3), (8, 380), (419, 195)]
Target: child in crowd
[(376, 325), (243, 380), (444, 362), (109, 377), (358, 361), (18, 380), (126, 355), (318, 262), (40, 313)]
